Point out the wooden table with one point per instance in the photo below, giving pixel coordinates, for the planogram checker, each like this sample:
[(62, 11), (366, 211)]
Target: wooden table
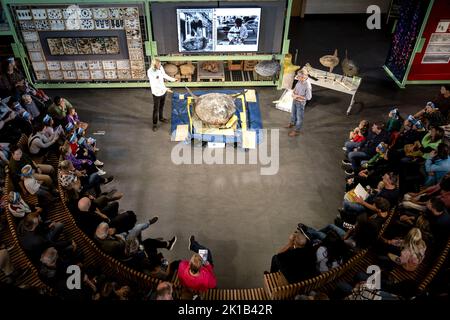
[(335, 82), (211, 76)]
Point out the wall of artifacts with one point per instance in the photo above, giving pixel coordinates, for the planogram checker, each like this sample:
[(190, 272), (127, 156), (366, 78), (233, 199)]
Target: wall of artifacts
[(83, 43)]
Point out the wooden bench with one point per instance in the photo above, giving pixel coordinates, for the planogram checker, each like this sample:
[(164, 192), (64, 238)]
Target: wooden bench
[(235, 294), (435, 268), (95, 256)]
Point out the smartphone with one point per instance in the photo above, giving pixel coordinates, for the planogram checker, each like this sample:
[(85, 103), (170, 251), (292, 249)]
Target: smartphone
[(204, 254)]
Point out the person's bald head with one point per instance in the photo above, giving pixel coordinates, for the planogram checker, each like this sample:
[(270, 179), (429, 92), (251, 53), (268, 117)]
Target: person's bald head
[(84, 204), (164, 291), (102, 231)]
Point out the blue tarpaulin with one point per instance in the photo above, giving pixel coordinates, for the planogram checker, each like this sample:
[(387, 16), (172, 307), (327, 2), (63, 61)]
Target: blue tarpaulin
[(254, 122)]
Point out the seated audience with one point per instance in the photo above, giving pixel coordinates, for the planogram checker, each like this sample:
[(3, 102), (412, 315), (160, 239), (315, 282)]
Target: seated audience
[(35, 236), (356, 136), (431, 116), (41, 172), (296, 260), (366, 150)]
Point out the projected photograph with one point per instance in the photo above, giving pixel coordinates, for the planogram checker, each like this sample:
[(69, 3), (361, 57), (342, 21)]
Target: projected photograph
[(195, 30), (237, 29)]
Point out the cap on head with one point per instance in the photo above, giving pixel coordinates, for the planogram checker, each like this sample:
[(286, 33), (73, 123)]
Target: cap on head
[(26, 115), (14, 197), (382, 147), (27, 170), (431, 105), (73, 138), (69, 126), (394, 112), (47, 119), (418, 124)]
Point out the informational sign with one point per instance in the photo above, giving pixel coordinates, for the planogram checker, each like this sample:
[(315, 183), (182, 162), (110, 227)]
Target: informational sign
[(438, 49)]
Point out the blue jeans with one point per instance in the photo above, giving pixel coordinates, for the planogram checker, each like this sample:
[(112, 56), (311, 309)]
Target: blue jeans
[(351, 145), (355, 157), (297, 114), (353, 206)]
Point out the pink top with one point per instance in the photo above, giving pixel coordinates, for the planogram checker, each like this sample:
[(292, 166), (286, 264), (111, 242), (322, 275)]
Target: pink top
[(408, 259), (202, 282)]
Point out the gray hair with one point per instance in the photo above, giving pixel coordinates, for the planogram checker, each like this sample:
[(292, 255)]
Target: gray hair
[(49, 256), (102, 233)]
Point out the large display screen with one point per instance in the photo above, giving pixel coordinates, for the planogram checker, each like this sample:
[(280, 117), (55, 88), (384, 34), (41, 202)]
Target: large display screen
[(218, 29)]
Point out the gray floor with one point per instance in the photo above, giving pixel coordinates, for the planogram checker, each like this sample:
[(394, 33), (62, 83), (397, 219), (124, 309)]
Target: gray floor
[(242, 216)]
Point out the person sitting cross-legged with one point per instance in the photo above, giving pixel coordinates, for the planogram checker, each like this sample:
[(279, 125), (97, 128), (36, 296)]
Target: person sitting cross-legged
[(367, 149)]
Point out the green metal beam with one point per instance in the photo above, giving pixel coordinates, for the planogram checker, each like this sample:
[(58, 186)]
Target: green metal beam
[(390, 74), (103, 85), (220, 57), (427, 82)]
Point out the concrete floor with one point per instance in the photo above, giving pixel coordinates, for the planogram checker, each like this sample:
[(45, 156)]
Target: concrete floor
[(244, 217)]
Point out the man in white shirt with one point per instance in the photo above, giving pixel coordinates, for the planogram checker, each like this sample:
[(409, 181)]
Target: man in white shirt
[(302, 93), (156, 76)]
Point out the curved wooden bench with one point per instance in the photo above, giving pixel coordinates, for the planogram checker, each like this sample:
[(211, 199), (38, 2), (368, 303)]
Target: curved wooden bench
[(278, 288), (18, 255), (436, 267)]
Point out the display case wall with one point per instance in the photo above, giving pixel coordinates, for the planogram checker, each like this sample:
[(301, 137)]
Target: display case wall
[(110, 43), (421, 55)]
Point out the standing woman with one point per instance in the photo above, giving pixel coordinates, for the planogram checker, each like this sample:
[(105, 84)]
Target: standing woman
[(156, 76)]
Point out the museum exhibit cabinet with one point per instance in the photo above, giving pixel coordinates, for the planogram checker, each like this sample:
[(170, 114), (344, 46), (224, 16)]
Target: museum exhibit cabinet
[(94, 44), (420, 47)]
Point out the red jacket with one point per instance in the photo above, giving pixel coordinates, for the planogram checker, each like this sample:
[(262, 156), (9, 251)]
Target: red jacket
[(358, 138), (74, 148), (204, 281)]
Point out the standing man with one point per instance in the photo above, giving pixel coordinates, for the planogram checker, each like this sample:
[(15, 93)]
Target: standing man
[(156, 75), (302, 93)]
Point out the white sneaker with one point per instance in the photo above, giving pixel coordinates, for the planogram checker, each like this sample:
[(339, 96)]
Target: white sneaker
[(344, 148), (100, 172), (98, 163)]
